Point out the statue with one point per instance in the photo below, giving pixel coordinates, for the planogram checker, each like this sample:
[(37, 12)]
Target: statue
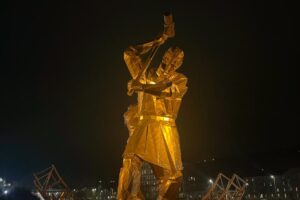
[(153, 133)]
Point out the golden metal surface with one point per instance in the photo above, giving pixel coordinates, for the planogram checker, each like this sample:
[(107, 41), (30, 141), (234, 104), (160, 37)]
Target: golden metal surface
[(130, 173), (153, 133), (159, 118)]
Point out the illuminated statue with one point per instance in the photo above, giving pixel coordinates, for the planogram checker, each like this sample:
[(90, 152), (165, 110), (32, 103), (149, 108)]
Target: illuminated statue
[(155, 137)]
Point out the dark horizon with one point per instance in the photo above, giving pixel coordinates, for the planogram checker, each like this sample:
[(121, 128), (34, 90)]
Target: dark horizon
[(63, 82)]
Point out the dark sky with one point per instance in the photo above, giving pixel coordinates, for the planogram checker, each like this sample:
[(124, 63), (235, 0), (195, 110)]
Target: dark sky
[(63, 81)]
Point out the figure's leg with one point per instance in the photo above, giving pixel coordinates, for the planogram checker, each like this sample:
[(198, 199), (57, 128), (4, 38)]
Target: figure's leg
[(124, 180), (168, 182), (129, 178), (135, 190)]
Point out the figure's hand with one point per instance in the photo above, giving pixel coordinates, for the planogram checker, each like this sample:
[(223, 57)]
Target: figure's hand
[(169, 30), (165, 82), (164, 37), (134, 85), (161, 39)]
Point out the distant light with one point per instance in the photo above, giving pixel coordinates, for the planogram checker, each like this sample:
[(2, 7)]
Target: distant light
[(213, 159), (262, 169), (210, 181), (247, 184), (1, 179), (94, 190), (191, 178), (5, 192), (204, 160), (272, 177)]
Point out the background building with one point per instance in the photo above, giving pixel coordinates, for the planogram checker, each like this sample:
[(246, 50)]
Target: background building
[(285, 186), (148, 182)]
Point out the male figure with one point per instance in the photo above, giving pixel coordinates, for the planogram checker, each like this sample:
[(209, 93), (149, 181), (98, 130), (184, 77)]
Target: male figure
[(155, 138)]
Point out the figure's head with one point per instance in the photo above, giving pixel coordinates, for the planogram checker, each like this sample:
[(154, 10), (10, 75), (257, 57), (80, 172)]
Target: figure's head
[(172, 59)]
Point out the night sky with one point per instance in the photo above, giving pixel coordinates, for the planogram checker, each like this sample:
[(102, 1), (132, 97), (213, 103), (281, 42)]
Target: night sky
[(63, 82)]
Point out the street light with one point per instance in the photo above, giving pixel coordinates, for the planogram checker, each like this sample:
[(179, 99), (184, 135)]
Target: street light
[(273, 177)]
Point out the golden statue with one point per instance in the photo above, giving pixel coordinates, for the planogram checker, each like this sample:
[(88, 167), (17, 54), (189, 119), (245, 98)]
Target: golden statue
[(153, 135)]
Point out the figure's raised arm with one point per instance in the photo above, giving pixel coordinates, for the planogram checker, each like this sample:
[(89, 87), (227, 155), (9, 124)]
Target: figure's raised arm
[(132, 55)]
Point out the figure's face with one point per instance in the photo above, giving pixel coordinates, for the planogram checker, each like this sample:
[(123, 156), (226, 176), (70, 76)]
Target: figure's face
[(172, 59)]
